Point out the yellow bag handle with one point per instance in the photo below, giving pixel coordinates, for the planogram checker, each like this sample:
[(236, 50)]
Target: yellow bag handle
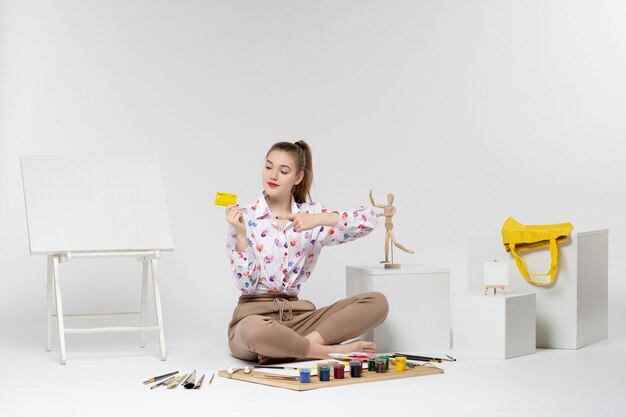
[(518, 237), (523, 267)]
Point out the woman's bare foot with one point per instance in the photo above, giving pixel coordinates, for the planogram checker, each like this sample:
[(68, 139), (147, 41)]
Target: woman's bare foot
[(319, 351), (356, 346), (318, 348)]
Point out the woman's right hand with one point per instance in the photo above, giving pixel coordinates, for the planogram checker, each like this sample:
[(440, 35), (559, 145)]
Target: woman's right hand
[(234, 217)]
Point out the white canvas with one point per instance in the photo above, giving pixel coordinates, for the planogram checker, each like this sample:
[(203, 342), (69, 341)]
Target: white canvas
[(95, 203), (496, 273)]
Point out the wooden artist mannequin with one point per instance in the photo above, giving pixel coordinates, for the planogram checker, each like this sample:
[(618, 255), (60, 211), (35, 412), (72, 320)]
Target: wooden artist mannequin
[(388, 211)]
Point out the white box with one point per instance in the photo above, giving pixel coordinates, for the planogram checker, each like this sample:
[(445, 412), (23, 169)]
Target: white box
[(419, 305), (571, 313), (494, 326)]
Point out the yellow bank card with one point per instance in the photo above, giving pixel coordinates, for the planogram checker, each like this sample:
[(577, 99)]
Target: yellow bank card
[(224, 199)]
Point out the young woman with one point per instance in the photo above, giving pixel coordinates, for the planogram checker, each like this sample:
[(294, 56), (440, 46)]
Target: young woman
[(273, 246)]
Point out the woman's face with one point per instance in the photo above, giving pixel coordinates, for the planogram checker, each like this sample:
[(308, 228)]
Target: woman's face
[(279, 174)]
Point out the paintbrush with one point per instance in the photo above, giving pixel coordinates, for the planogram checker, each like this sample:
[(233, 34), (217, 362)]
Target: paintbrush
[(199, 383), (426, 358), (176, 382), (190, 382), (282, 367), (282, 377)]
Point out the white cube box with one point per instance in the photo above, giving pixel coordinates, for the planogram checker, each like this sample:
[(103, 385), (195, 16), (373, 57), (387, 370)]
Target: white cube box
[(571, 313), (419, 305), (494, 326)]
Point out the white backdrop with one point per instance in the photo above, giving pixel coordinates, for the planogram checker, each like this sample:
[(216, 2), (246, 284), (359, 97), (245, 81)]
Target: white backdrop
[(468, 111)]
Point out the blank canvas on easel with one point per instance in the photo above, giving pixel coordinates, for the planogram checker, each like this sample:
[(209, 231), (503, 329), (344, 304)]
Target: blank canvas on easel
[(95, 203)]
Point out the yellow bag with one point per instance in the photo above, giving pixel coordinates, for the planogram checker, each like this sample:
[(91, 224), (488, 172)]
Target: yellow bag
[(517, 237)]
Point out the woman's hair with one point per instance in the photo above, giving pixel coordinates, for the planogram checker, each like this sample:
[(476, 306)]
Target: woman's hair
[(301, 153)]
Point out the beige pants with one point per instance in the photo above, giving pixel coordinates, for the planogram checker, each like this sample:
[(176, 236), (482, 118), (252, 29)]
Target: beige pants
[(276, 327)]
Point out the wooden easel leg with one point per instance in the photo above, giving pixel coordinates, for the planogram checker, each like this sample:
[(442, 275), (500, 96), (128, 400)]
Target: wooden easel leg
[(59, 307), (157, 303), (144, 300), (49, 308)]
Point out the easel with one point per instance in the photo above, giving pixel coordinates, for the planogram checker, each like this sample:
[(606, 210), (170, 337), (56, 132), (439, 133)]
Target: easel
[(116, 207), (495, 288), (148, 260), (495, 276)]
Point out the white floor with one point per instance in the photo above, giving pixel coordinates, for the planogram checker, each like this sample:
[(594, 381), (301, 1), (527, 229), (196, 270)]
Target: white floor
[(105, 379)]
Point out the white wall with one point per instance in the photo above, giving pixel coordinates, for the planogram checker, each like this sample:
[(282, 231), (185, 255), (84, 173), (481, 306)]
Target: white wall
[(469, 111)]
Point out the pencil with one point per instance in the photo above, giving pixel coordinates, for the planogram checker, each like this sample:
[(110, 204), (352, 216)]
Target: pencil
[(211, 380), (157, 378)]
